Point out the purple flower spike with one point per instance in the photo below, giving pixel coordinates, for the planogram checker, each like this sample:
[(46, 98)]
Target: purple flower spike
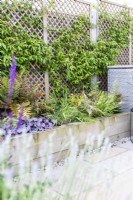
[(11, 80), (10, 115)]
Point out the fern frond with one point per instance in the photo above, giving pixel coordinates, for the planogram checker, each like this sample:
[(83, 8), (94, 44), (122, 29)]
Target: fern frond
[(16, 108)]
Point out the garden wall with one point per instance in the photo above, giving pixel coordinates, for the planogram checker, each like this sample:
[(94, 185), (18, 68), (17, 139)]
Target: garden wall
[(114, 128)]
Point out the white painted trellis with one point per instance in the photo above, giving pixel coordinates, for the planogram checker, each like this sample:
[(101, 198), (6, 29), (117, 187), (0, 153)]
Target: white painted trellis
[(62, 14)]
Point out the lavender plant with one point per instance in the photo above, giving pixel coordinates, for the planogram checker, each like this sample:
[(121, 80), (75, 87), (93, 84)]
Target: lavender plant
[(11, 80), (75, 179)]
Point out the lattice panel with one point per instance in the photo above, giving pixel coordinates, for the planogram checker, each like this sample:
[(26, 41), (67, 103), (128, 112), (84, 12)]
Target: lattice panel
[(37, 77), (17, 14), (123, 58), (27, 14), (63, 13), (108, 7), (103, 80)]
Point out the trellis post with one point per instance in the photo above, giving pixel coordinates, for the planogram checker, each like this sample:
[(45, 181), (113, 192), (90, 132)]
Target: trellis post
[(93, 31), (45, 37)]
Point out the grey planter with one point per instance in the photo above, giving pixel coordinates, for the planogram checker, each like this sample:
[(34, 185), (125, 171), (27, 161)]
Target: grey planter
[(123, 77)]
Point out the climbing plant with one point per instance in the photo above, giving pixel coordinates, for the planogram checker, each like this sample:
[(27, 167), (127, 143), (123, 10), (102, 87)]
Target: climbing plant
[(18, 35), (76, 58), (71, 57), (72, 63)]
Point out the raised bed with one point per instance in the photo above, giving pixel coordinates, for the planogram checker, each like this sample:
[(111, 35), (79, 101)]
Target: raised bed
[(56, 141), (115, 127)]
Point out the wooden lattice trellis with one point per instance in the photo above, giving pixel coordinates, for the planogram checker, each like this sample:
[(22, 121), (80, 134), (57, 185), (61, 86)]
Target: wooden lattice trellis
[(61, 14), (105, 6), (124, 57), (18, 15)]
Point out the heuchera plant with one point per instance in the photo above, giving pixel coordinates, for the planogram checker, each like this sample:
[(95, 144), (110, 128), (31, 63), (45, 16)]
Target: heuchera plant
[(26, 126)]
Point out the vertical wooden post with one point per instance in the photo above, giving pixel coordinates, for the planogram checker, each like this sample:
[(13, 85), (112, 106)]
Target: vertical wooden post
[(93, 31), (45, 37)]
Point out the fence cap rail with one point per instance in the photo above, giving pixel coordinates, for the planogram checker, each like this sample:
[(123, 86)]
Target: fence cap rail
[(120, 67), (116, 4), (83, 1)]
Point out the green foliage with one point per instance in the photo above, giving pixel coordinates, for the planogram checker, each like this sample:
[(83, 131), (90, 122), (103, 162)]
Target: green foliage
[(82, 107), (76, 58), (118, 28), (63, 111), (97, 103), (100, 103), (29, 48), (72, 62), (41, 107)]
